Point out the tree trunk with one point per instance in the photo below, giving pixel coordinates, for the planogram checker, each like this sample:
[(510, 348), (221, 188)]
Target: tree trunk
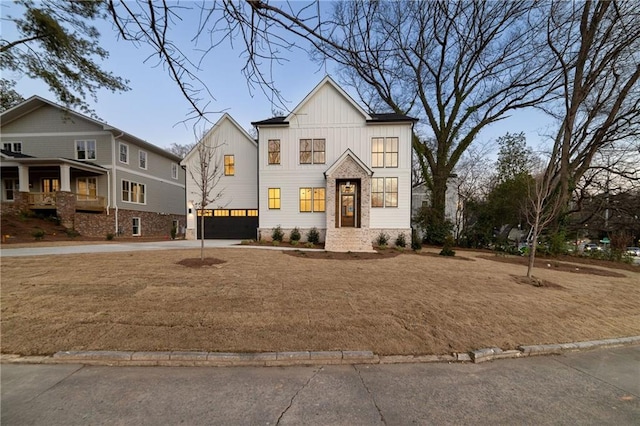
[(202, 236)]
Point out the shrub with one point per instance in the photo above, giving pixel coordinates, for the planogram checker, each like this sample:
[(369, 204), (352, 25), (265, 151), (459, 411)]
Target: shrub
[(309, 245), (72, 233), (382, 239), (415, 241), (446, 249), (313, 236), (401, 240), (295, 242), (38, 234), (109, 236), (294, 235), (277, 234)]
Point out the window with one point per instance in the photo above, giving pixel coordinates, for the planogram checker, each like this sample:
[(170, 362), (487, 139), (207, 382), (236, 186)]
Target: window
[(252, 213), (135, 226), (142, 160), (133, 192), (274, 198), (10, 189), (274, 151), (312, 151), (50, 185), (86, 150), (312, 199), (206, 212), (12, 146), (174, 171), (229, 165), (384, 152), (124, 153), (87, 188), (238, 213), (221, 212), (384, 192)]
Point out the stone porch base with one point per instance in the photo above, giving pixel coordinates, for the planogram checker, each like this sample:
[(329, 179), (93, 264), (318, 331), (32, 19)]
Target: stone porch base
[(348, 239)]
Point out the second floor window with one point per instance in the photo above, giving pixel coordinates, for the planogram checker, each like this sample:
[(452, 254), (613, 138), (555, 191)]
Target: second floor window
[(384, 152), (124, 153), (229, 165), (86, 150), (142, 159), (312, 151), (174, 171), (133, 192), (12, 146), (274, 151)]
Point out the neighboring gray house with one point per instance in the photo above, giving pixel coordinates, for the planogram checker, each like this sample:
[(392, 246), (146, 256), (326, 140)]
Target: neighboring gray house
[(420, 197), (94, 177)]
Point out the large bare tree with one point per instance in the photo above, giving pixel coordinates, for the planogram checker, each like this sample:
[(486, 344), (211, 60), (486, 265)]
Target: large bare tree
[(597, 46), (458, 66)]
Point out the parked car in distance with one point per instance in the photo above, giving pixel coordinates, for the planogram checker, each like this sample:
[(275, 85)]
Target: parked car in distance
[(592, 247), (633, 251)]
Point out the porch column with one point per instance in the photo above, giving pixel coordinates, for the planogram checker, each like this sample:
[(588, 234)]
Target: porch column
[(65, 178), (23, 178)]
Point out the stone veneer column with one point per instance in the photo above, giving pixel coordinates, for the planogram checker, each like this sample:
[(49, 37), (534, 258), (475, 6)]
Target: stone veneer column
[(66, 208)]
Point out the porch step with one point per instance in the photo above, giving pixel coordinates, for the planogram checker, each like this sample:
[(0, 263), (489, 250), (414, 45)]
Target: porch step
[(348, 239)]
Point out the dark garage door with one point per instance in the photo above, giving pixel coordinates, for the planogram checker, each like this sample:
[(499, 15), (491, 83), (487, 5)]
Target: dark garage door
[(229, 227)]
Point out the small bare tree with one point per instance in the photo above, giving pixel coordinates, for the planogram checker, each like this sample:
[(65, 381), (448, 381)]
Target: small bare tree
[(206, 172), (543, 206)]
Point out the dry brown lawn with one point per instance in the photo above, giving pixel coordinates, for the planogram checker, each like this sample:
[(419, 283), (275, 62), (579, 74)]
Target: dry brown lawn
[(253, 300)]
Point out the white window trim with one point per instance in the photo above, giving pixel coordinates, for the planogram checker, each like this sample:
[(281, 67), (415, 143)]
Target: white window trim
[(139, 226), (12, 146), (16, 188), (120, 145), (174, 166), (146, 196), (85, 149), (146, 160)]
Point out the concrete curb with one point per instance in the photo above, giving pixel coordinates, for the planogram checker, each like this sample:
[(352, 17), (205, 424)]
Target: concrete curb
[(304, 358)]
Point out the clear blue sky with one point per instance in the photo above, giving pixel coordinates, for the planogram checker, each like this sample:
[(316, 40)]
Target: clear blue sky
[(154, 107)]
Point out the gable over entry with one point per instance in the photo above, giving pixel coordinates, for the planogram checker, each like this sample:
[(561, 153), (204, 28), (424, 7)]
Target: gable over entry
[(348, 183)]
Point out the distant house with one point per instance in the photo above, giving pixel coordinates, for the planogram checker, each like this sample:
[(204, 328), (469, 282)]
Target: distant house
[(94, 177), (333, 166), (452, 209), (234, 214)]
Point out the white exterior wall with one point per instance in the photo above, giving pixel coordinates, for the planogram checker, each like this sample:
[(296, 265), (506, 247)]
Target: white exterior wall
[(329, 115), (239, 191)]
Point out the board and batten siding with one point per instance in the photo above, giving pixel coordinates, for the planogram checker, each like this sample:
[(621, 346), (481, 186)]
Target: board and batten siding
[(239, 191), (328, 115)]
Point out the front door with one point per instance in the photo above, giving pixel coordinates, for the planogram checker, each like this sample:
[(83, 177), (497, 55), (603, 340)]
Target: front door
[(348, 205)]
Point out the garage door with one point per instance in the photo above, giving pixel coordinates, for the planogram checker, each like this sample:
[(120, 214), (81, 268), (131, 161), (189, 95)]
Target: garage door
[(236, 224)]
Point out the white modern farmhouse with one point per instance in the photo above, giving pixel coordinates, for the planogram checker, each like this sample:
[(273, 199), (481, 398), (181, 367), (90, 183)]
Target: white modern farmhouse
[(234, 213), (331, 165)]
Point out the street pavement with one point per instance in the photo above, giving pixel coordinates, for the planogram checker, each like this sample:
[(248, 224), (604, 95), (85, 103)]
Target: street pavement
[(599, 387)]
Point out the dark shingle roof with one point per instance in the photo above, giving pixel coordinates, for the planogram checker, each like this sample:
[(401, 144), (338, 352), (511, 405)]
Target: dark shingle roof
[(389, 117), (270, 121), (14, 154)]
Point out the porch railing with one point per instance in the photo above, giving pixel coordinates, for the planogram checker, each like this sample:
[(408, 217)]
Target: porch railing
[(47, 200)]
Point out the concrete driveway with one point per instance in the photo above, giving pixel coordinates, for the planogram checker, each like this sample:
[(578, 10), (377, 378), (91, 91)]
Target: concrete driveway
[(116, 247)]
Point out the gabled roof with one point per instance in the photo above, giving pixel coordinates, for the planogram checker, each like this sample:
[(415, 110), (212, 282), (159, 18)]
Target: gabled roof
[(35, 102), (225, 117), (340, 160), (370, 118), (328, 81)]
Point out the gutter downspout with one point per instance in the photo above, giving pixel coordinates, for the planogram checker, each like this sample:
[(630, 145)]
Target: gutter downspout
[(115, 178)]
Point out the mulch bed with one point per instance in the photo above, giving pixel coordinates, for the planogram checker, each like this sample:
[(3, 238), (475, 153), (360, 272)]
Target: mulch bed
[(196, 262)]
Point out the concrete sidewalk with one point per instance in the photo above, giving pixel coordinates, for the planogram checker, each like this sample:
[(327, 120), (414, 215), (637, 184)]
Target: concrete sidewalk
[(593, 387)]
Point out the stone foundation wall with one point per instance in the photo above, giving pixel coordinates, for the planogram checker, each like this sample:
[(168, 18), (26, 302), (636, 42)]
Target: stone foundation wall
[(19, 204), (264, 234), (349, 239), (393, 234), (101, 224)]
